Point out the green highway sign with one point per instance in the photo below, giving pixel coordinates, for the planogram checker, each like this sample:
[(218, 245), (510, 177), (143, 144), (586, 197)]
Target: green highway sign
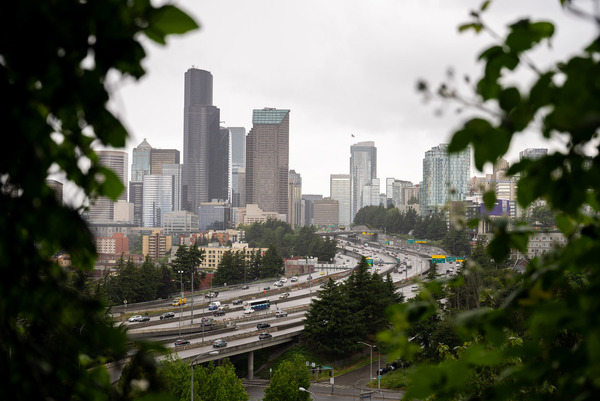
[(411, 241), (450, 259)]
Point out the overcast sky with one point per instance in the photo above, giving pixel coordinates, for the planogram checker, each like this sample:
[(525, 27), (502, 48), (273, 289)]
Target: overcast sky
[(342, 67)]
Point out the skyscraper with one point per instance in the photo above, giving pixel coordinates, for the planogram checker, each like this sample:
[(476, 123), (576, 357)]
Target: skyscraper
[(219, 166), (102, 209), (238, 166), (339, 190), (158, 199), (140, 164), (533, 153), (445, 178), (363, 169), (295, 200), (267, 160), (200, 131)]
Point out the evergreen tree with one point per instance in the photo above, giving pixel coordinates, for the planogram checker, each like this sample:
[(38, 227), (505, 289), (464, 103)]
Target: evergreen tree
[(149, 280), (272, 264), (230, 269), (331, 326)]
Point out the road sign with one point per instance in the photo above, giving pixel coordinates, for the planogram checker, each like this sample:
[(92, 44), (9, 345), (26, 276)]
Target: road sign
[(411, 241), (450, 259), (420, 241), (438, 258)]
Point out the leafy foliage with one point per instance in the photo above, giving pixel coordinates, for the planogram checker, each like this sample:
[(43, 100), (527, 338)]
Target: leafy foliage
[(393, 221), (287, 379), (303, 242), (534, 337), (56, 94)]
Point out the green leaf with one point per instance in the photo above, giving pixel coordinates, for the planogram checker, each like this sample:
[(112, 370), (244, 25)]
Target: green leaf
[(509, 98), (489, 198), (169, 20), (477, 27)]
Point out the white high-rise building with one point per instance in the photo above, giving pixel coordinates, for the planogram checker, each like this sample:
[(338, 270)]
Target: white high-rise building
[(158, 199), (339, 190), (446, 178), (363, 168), (102, 210)]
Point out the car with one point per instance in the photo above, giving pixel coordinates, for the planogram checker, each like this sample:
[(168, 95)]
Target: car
[(237, 302), (219, 313), (277, 284), (135, 318), (167, 315), (261, 326), (283, 280), (294, 279), (248, 311), (219, 343), (414, 287), (322, 273), (284, 295), (181, 342), (144, 319), (267, 288), (224, 307), (264, 336), (211, 295), (281, 313), (245, 287)]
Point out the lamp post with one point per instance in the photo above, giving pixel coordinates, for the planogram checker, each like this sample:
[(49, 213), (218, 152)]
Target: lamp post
[(192, 368), (306, 391), (192, 296), (371, 347), (180, 299)]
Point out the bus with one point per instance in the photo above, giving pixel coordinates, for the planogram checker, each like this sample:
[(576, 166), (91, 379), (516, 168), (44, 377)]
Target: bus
[(257, 304)]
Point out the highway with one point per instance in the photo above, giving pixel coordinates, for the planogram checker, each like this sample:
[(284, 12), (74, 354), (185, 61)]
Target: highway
[(239, 330)]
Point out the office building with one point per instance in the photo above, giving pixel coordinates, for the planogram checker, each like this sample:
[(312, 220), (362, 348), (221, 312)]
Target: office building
[(219, 166), (101, 210), (339, 190), (308, 202), (326, 213), (214, 216), (393, 191), (200, 130), (446, 178), (238, 166), (267, 160), (156, 245), (370, 194), (158, 199), (533, 153), (136, 196), (140, 165), (295, 200), (158, 157), (180, 221), (363, 168), (175, 171)]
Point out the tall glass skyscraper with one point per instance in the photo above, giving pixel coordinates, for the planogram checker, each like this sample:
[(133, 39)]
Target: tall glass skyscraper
[(202, 141), (445, 178), (158, 198), (363, 169), (267, 160)]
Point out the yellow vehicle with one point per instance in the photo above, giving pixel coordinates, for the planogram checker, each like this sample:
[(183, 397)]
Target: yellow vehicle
[(178, 301)]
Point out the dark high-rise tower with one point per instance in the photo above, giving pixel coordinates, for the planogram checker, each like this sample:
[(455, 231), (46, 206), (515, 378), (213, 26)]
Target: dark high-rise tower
[(267, 160), (203, 145)]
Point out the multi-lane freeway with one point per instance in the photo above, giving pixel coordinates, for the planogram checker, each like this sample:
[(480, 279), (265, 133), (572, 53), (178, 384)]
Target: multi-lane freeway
[(239, 330)]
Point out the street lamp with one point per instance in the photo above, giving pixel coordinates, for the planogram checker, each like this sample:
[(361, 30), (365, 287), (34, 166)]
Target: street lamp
[(371, 347), (306, 391), (180, 300), (192, 368)]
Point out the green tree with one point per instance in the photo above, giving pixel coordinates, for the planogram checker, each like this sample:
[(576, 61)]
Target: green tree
[(272, 264), (57, 115), (457, 242), (231, 268), (287, 379), (330, 325), (149, 279), (539, 343)]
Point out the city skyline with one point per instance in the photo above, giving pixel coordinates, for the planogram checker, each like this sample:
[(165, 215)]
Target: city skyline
[(350, 69)]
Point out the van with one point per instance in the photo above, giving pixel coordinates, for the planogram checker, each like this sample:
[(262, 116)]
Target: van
[(214, 305)]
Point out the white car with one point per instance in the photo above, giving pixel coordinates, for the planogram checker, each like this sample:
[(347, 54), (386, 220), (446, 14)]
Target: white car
[(248, 311), (135, 318)]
